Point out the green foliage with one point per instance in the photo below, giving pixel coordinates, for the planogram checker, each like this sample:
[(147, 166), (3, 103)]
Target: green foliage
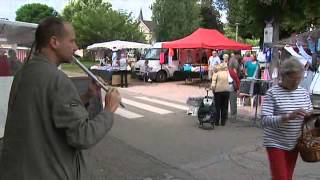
[(95, 21), (289, 16), (231, 34), (73, 68), (253, 42), (33, 13), (210, 16), (175, 19)]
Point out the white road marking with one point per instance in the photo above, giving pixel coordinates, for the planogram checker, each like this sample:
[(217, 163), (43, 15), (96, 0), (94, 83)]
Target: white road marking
[(177, 106), (145, 106), (127, 114)]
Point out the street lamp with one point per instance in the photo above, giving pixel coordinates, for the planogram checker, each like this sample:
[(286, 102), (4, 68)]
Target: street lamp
[(237, 24)]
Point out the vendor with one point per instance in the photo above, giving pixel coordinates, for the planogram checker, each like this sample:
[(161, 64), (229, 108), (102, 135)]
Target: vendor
[(189, 57), (123, 70)]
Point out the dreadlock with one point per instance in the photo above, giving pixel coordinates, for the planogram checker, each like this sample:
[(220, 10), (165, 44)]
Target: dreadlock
[(48, 27)]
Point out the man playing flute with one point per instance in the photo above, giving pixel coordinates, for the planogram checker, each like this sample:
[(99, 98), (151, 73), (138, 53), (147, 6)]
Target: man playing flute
[(47, 124)]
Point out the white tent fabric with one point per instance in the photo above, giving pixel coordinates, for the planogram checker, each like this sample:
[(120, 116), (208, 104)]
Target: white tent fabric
[(119, 45), (16, 32), (296, 55)]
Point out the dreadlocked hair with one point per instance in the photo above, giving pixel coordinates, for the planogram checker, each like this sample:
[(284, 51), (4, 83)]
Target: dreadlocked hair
[(48, 27)]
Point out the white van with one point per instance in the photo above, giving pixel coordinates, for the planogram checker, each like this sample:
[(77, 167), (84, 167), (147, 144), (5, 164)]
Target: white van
[(158, 72), (315, 90)]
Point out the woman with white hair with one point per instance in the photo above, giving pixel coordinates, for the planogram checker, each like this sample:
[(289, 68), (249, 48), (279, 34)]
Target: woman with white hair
[(221, 89), (286, 106)]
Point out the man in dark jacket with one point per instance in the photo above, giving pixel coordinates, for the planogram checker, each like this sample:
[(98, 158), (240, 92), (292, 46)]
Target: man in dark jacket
[(47, 124)]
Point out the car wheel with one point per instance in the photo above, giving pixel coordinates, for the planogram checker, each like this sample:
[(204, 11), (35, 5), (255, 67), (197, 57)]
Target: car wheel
[(161, 76)]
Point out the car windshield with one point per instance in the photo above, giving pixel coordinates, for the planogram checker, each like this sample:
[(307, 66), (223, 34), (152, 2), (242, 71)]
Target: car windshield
[(153, 54)]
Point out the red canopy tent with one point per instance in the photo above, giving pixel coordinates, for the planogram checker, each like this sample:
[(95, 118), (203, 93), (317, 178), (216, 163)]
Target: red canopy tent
[(206, 38)]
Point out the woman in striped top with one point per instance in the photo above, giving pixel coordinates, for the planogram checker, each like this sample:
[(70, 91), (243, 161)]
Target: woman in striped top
[(284, 110)]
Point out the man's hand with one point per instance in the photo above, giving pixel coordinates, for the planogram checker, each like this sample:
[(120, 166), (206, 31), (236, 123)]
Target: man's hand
[(92, 91), (112, 100)]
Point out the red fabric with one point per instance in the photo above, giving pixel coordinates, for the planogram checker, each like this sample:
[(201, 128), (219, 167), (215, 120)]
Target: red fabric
[(235, 78), (206, 38), (282, 163), (5, 69), (162, 58), (171, 52)]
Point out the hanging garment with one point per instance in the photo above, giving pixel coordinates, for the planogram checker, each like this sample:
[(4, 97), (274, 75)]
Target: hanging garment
[(311, 45), (296, 55), (266, 75), (268, 54), (162, 58), (306, 81), (304, 54), (318, 46), (261, 57)]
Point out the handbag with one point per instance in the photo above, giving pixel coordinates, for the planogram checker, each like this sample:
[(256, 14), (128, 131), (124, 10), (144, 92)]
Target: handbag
[(309, 144)]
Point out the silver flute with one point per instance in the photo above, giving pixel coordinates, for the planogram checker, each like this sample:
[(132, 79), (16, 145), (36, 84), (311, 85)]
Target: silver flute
[(94, 77)]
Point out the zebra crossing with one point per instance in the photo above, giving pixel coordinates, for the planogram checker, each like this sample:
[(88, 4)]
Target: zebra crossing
[(142, 103)]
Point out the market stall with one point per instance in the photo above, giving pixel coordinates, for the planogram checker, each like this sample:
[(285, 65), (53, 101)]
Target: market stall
[(306, 48), (110, 71), (203, 39)]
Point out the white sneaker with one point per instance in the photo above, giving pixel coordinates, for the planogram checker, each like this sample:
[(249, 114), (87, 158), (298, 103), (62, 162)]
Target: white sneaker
[(149, 80)]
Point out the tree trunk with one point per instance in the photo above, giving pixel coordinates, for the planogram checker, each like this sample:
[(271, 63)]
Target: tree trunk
[(275, 61)]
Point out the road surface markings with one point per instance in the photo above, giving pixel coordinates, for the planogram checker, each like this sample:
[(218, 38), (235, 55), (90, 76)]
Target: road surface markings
[(177, 106), (127, 114), (145, 106)]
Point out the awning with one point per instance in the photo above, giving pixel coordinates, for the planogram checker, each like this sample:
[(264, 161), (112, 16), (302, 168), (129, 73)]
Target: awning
[(119, 45), (207, 38), (15, 32)]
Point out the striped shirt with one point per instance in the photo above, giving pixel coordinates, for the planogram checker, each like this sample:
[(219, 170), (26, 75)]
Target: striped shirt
[(277, 102)]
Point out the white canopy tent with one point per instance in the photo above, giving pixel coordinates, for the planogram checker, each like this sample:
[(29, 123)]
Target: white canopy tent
[(15, 32), (11, 34), (119, 45)]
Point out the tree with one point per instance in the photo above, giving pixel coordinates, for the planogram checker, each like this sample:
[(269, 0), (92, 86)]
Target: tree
[(95, 21), (210, 16), (33, 13), (287, 16), (175, 19)]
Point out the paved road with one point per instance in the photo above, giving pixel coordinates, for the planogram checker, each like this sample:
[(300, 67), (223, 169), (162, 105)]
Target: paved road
[(154, 139)]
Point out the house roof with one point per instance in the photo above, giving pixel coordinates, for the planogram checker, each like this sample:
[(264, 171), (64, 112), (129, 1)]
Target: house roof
[(150, 24)]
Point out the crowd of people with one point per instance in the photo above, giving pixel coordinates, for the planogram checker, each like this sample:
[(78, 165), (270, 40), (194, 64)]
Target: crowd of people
[(286, 106), (225, 76), (45, 139)]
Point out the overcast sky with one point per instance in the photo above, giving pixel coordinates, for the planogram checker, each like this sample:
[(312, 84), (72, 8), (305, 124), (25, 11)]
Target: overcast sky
[(8, 8)]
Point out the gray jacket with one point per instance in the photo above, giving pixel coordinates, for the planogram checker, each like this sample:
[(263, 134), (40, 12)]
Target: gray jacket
[(47, 126)]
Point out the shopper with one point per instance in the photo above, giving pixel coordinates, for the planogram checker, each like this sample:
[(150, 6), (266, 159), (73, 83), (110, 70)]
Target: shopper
[(284, 109), (220, 87)]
